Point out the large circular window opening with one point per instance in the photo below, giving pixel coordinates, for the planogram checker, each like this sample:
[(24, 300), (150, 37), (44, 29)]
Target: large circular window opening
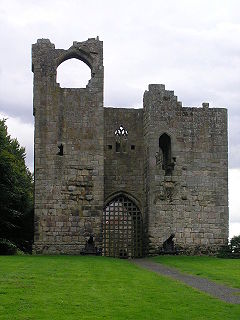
[(73, 73)]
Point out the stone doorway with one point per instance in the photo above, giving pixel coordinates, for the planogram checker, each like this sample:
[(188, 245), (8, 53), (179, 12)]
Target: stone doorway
[(122, 229)]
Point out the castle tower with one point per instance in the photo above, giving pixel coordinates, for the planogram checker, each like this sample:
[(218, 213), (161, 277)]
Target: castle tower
[(186, 176), (69, 160)]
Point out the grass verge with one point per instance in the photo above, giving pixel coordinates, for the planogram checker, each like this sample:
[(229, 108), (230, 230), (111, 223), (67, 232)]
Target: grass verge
[(67, 287), (225, 271)]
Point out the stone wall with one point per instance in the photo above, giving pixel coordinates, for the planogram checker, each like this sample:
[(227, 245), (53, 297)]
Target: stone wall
[(123, 164), (190, 201), (169, 160), (68, 150)]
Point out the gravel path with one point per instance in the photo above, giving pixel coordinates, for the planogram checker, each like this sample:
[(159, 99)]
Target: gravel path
[(219, 291)]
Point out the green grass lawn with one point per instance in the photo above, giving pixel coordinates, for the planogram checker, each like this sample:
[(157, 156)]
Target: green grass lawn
[(75, 287), (226, 271)]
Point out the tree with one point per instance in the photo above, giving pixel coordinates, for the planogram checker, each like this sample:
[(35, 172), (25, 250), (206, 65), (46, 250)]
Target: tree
[(16, 193), (231, 250), (235, 244)]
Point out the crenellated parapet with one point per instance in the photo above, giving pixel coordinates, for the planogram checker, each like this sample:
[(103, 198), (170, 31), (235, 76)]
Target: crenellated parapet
[(157, 95)]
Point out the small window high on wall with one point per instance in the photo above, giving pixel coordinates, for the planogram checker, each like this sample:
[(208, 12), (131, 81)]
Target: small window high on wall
[(121, 135), (73, 73), (166, 154)]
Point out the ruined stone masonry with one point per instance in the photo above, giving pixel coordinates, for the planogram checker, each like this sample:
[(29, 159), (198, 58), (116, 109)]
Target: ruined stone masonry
[(127, 178)]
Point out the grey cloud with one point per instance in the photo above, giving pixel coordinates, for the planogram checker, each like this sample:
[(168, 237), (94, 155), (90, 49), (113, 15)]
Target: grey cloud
[(192, 48)]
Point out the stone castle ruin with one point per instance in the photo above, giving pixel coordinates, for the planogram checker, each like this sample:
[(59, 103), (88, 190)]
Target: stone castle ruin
[(127, 179)]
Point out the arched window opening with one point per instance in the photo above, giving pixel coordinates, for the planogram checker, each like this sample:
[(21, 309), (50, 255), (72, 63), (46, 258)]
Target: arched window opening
[(73, 73), (122, 229), (165, 154), (121, 132), (121, 135)]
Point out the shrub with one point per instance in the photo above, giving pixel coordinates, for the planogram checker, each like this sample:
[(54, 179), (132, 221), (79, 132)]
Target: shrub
[(232, 250), (7, 247), (235, 244)]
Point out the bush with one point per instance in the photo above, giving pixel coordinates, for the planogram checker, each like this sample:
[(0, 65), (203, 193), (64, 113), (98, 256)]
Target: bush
[(235, 244), (7, 247), (232, 250)]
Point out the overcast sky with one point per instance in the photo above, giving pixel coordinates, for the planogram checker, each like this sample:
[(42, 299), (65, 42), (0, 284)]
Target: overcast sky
[(190, 46)]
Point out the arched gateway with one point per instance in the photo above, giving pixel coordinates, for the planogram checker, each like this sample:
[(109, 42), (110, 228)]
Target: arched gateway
[(122, 228)]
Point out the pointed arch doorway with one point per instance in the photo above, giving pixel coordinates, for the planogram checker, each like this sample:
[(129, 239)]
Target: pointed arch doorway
[(122, 228)]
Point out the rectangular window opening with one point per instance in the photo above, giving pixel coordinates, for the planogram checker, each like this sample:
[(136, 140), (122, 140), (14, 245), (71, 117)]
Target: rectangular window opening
[(118, 147), (132, 147), (109, 147)]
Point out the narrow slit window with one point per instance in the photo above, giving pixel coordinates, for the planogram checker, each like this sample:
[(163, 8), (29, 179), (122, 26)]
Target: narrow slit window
[(118, 147), (60, 152)]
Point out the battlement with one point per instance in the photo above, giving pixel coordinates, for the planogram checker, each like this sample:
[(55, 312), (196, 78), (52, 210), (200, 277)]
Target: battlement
[(158, 95), (156, 87), (45, 42)]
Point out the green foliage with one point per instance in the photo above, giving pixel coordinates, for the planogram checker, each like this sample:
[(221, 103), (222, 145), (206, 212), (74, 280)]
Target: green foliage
[(92, 288), (235, 244), (226, 271), (232, 250), (16, 192), (7, 247)]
